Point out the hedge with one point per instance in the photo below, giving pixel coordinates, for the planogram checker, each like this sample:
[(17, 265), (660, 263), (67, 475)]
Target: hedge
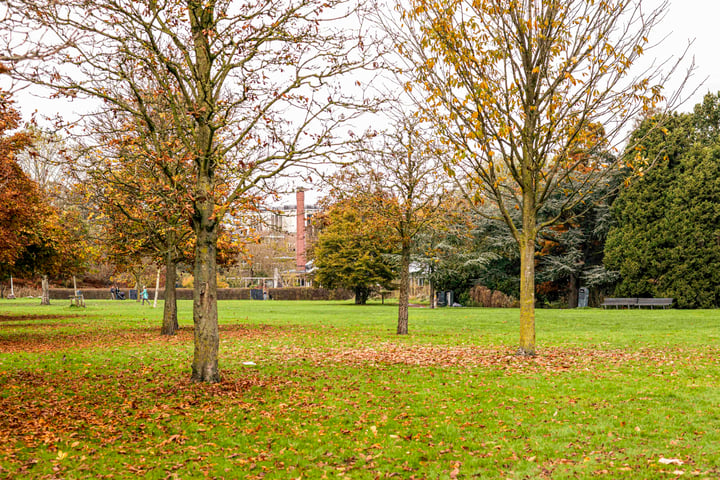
[(298, 293)]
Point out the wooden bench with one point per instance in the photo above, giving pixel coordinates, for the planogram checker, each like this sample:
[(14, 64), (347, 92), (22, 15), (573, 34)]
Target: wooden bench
[(637, 302), (77, 300), (619, 302), (655, 302)]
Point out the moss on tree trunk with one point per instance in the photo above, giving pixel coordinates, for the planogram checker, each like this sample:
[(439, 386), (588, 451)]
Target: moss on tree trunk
[(527, 295)]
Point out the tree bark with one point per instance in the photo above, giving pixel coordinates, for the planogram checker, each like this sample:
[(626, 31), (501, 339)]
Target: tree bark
[(157, 288), (527, 294), (361, 295), (45, 299), (433, 300), (404, 300), (137, 287), (205, 318), (170, 322), (573, 291)]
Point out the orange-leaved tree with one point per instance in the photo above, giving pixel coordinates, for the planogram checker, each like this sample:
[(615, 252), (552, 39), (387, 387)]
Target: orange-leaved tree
[(512, 85), (19, 196), (138, 180), (406, 164), (249, 88), (36, 237)]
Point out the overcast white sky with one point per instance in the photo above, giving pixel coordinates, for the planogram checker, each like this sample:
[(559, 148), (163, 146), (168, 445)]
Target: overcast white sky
[(686, 20), (698, 20)]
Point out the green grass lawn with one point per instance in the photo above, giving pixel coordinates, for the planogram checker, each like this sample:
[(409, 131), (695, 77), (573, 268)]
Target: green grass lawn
[(332, 392)]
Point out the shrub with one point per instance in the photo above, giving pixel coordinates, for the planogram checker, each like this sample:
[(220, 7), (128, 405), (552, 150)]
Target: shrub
[(300, 293), (482, 296)]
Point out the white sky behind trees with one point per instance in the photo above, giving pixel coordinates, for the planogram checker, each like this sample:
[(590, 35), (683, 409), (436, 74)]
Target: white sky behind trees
[(697, 20), (686, 21)]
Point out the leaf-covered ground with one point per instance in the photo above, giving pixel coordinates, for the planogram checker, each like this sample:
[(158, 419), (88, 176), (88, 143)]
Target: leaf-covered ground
[(326, 390)]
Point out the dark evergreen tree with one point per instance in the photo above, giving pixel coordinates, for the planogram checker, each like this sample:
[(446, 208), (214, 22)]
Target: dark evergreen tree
[(571, 252), (665, 242), (692, 276)]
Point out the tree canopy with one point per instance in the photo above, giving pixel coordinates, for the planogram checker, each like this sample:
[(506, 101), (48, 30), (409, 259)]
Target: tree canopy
[(528, 93), (666, 239), (20, 202), (353, 247), (36, 237)]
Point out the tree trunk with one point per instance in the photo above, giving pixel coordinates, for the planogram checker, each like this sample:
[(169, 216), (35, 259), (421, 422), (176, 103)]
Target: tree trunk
[(404, 300), (45, 299), (573, 291), (433, 300), (361, 295), (137, 287), (170, 322), (205, 315), (527, 294), (157, 288), (205, 318)]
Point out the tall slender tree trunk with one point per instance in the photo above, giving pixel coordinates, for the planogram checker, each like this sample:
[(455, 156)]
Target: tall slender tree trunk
[(404, 300), (433, 296), (527, 294), (170, 322), (205, 315), (137, 286), (157, 288), (45, 299)]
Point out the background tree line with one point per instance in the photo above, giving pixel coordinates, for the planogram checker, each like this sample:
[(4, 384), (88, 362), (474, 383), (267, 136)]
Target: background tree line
[(653, 235), (498, 164)]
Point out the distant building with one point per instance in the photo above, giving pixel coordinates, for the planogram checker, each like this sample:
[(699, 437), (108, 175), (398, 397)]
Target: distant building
[(284, 232)]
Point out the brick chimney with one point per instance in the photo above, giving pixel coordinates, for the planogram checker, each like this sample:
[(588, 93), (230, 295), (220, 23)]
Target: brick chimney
[(300, 231)]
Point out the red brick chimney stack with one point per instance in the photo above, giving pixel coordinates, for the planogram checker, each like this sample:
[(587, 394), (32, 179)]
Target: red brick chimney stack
[(300, 237)]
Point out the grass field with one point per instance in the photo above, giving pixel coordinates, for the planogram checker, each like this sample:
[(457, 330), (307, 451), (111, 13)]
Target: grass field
[(332, 392)]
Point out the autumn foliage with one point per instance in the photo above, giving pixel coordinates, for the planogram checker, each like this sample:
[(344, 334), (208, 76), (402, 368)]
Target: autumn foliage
[(527, 94), (20, 205), (354, 243), (36, 237)]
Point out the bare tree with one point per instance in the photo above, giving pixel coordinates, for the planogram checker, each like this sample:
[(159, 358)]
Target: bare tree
[(407, 163), (45, 161), (530, 95), (249, 86)]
